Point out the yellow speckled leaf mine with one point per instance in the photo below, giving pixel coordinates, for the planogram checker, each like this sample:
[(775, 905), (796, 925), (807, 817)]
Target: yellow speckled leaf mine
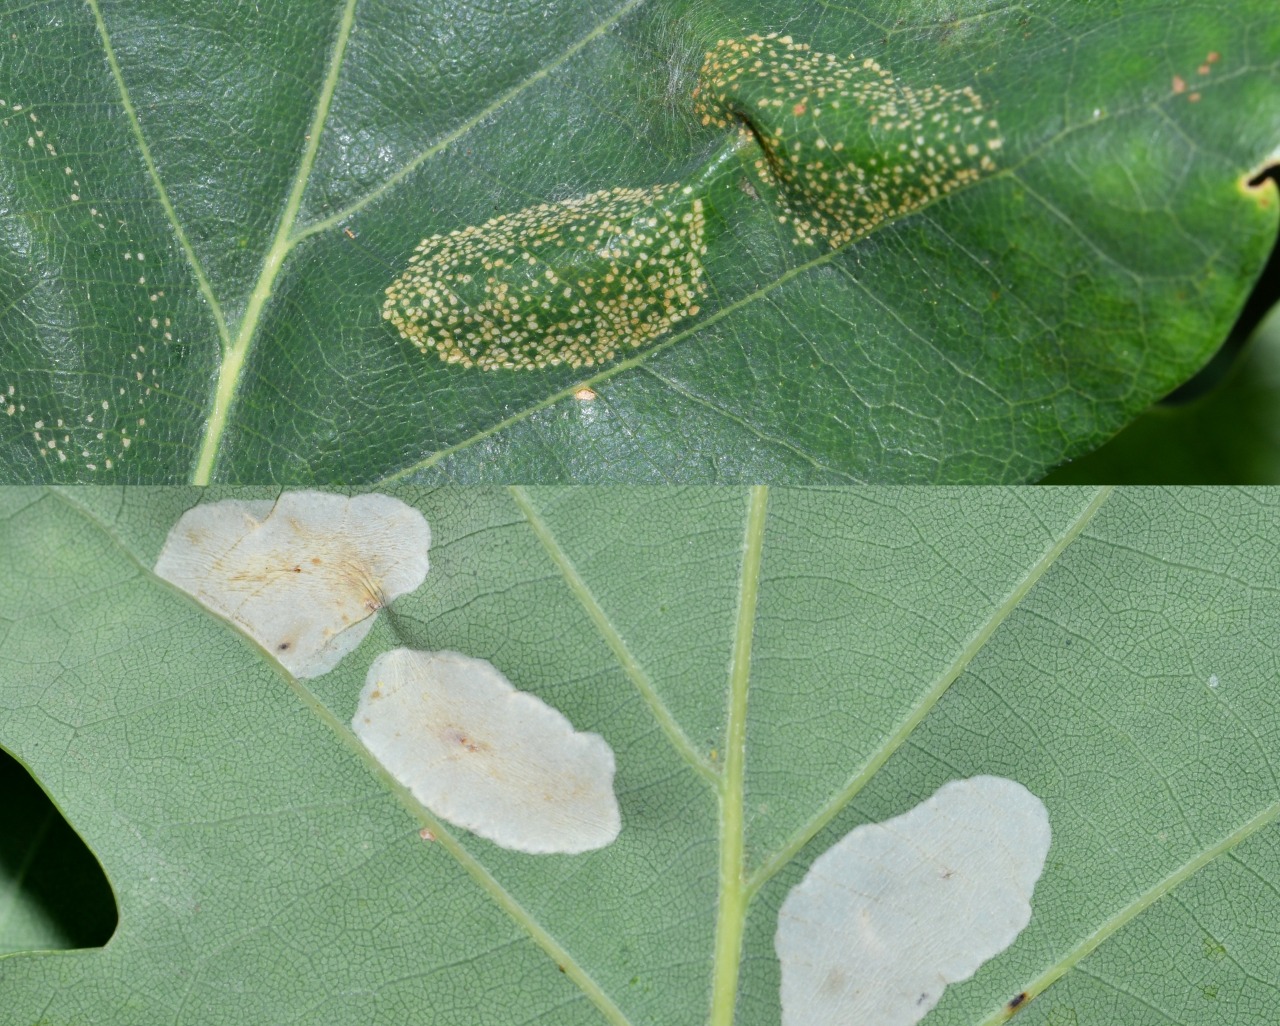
[(567, 282), (844, 147)]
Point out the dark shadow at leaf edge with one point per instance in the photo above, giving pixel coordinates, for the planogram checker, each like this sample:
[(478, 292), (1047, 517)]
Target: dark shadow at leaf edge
[(60, 876), (1271, 171), (1265, 295)]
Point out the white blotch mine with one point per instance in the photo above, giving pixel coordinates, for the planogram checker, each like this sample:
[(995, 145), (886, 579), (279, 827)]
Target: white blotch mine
[(484, 756), (847, 145), (558, 283), (304, 575), (895, 911)]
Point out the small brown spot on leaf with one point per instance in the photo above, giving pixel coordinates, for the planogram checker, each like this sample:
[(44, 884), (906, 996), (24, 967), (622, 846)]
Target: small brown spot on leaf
[(584, 395), (1017, 1000), (426, 835), (1179, 84), (1203, 69), (1193, 98), (1213, 57)]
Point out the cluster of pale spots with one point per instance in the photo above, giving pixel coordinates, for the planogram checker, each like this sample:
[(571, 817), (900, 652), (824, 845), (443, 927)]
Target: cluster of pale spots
[(895, 911), (303, 575), (100, 434), (484, 756), (847, 146), (569, 283)]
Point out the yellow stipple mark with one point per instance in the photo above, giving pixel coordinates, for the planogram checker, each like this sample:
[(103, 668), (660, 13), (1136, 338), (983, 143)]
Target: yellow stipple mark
[(847, 145), (569, 283), (99, 434), (846, 148)]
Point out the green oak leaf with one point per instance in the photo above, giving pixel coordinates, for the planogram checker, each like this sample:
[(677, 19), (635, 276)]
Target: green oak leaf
[(772, 668), (201, 221), (1229, 435)]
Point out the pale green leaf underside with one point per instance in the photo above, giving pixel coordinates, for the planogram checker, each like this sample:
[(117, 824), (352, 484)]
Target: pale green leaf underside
[(771, 668)]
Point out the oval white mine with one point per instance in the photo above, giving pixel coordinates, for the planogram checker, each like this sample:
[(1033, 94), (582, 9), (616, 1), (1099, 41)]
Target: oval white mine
[(895, 911), (485, 756), (303, 575)]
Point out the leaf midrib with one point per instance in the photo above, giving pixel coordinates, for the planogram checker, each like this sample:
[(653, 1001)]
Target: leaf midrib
[(733, 899), (233, 357)]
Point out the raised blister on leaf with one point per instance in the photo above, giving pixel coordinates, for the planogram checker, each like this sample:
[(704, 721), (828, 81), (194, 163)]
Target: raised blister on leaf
[(559, 283), (847, 144), (484, 756), (895, 911), (844, 147), (304, 575)]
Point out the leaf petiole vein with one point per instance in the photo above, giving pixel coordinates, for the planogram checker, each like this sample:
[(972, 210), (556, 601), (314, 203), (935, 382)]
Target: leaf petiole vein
[(731, 911), (917, 712), (144, 149), (335, 219), (236, 352), (1140, 904), (604, 626)]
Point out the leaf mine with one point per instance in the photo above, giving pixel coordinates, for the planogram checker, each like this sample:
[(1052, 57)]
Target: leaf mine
[(487, 757), (845, 147), (305, 575), (895, 911), (559, 283)]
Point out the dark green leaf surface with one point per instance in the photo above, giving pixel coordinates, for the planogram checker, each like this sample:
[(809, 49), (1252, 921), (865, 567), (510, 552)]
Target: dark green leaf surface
[(1230, 435), (771, 670), (200, 225)]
